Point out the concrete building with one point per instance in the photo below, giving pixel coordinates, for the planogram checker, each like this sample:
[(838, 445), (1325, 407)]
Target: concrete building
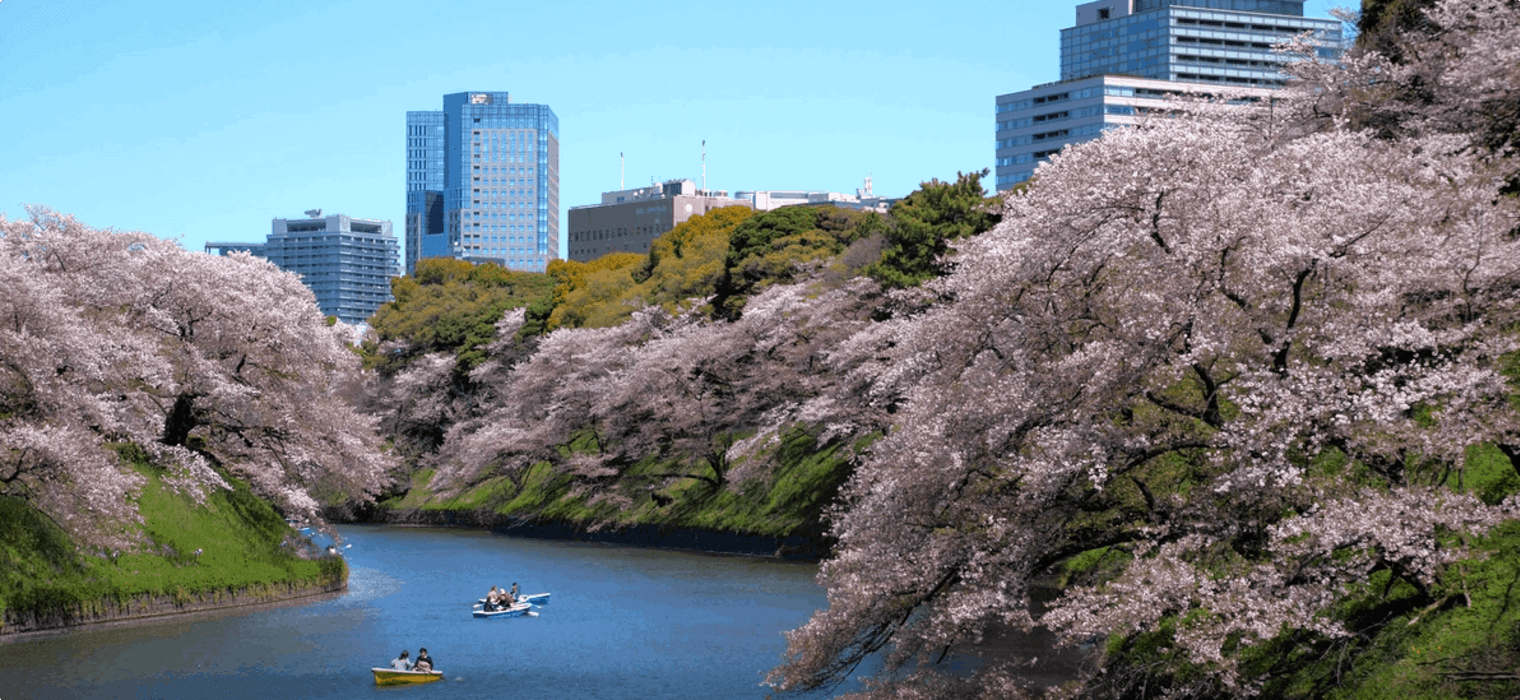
[(863, 199), (627, 221), (1125, 57), (346, 262), (482, 182), (224, 248)]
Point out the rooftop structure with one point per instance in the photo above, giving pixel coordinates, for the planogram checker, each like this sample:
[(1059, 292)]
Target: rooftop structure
[(225, 248), (863, 199)]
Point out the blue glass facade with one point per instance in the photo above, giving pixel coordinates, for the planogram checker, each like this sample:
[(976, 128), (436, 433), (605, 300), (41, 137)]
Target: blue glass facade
[(483, 181), (425, 234), (1125, 58), (1179, 41)]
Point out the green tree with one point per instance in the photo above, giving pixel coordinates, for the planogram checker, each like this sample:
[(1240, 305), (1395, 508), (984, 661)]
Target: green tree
[(449, 306), (1383, 22), (924, 223), (688, 261), (769, 248), (583, 291)]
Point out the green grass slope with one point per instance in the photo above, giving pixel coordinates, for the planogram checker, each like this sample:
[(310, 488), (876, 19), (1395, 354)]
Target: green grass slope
[(246, 546)]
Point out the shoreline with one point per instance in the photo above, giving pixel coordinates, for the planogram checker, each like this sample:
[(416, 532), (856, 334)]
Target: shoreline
[(680, 538), (107, 612)]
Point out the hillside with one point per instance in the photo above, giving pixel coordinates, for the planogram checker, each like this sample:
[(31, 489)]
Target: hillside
[(231, 548), (767, 292)]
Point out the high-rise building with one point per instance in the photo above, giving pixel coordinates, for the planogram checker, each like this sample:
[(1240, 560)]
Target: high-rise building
[(627, 221), (346, 262), (482, 182), (1126, 57)]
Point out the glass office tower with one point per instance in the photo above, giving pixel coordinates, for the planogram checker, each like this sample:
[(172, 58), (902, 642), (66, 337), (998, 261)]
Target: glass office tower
[(483, 182), (1119, 49)]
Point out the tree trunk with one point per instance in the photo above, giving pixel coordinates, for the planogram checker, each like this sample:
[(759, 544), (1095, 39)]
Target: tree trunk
[(180, 421)]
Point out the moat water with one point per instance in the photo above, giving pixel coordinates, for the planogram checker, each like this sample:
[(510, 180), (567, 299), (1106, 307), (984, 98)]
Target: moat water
[(623, 622)]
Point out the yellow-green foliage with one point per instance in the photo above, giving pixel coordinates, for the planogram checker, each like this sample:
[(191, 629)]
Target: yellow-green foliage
[(587, 294), (241, 538), (682, 264), (687, 261), (453, 306)]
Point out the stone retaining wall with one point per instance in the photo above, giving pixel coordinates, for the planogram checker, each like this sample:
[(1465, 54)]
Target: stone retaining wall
[(147, 606)]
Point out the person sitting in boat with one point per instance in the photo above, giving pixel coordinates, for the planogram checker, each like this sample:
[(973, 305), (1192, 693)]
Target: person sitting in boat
[(424, 662), (513, 594), (401, 663)]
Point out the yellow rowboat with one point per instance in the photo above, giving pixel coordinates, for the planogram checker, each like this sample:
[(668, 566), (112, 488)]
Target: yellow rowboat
[(390, 676)]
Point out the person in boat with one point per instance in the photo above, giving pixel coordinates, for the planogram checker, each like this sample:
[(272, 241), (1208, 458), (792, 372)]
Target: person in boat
[(513, 594), (424, 662), (492, 599), (401, 663)]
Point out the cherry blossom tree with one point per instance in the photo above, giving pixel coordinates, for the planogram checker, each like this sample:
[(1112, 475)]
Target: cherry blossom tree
[(541, 402), (198, 359), (50, 359), (1453, 71), (1244, 362), (694, 392), (706, 397)]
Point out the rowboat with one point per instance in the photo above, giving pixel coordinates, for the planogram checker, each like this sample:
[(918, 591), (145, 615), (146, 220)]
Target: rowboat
[(517, 610), (390, 676), (535, 599)]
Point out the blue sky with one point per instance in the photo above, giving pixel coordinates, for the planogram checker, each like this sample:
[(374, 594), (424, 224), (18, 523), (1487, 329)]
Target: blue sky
[(202, 120)]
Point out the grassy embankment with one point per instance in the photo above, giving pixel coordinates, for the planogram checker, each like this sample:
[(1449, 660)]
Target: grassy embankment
[(246, 550), (788, 502)]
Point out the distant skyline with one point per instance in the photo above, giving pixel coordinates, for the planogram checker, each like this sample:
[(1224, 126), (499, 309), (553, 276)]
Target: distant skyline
[(200, 122)]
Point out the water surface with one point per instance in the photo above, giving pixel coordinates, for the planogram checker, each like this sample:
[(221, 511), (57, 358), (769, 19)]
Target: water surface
[(624, 622)]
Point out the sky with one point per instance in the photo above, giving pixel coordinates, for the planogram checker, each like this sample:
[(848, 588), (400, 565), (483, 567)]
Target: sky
[(202, 121)]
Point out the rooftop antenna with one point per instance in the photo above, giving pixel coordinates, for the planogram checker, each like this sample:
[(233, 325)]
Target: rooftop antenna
[(313, 213), (704, 165), (620, 170)]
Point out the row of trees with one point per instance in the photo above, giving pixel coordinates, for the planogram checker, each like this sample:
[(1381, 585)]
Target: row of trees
[(1232, 370), (207, 363), (1240, 374), (1243, 376), (640, 360)]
